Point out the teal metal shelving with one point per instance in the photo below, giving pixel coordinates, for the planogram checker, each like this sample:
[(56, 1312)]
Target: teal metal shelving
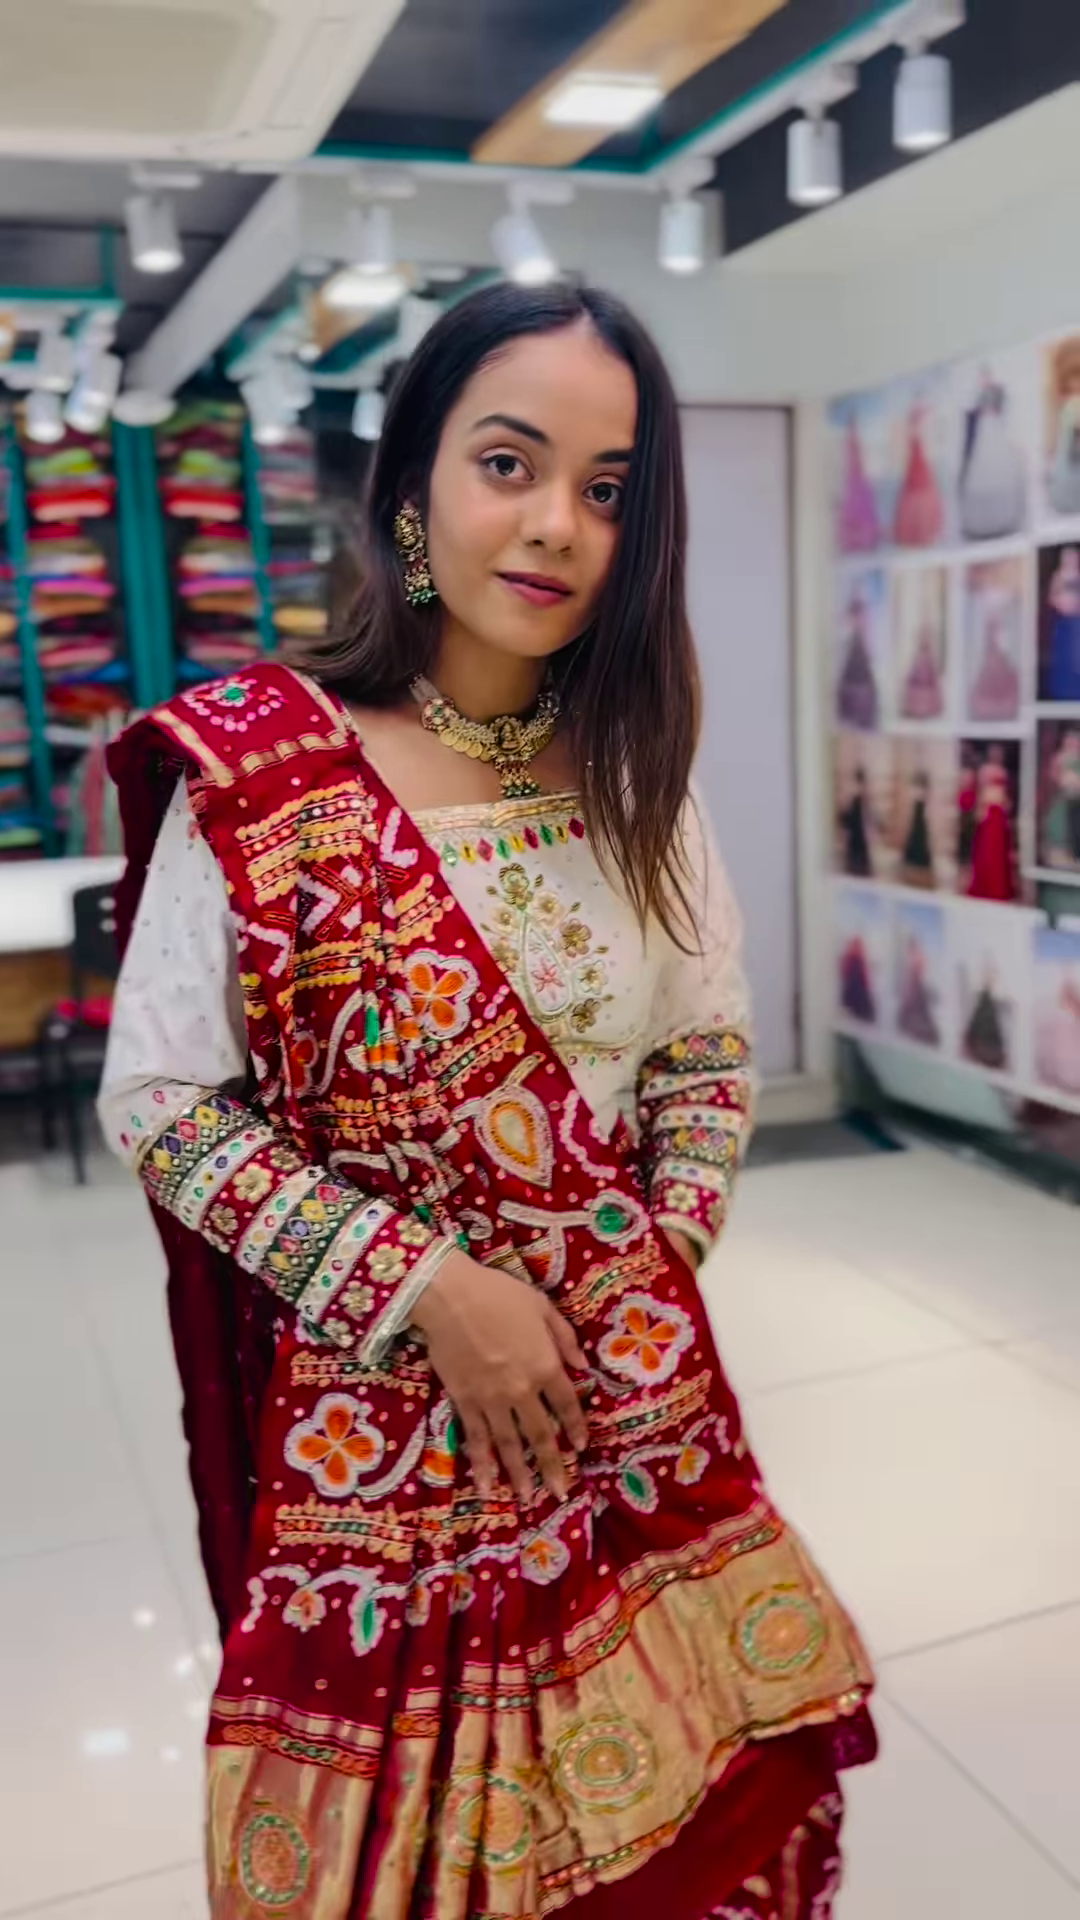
[(33, 683), (142, 553)]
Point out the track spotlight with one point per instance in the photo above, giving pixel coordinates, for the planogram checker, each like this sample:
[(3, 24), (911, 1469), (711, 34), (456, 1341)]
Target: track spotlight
[(274, 397), (368, 414), (54, 362), (521, 250), (371, 234), (44, 418), (922, 102), (815, 166), (682, 234), (153, 238), (372, 277), (91, 399)]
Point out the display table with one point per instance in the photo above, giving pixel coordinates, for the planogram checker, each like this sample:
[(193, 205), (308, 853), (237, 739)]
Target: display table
[(36, 929)]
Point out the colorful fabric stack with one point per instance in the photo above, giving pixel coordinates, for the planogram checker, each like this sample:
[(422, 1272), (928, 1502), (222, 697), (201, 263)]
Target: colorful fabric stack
[(20, 833), (299, 546), (71, 482), (201, 455), (216, 597), (74, 602), (218, 602), (10, 655), (288, 485), (71, 602), (298, 588)]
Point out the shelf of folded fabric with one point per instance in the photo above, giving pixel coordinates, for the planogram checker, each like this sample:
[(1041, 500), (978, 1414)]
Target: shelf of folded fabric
[(21, 835), (72, 568), (216, 603), (298, 537)]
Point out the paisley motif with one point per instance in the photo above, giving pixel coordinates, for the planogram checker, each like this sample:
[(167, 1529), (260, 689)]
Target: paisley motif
[(514, 1126)]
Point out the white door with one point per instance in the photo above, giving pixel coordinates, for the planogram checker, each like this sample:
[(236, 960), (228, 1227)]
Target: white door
[(738, 472)]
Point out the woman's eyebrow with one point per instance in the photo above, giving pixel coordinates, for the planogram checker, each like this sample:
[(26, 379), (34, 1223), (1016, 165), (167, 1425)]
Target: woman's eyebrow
[(513, 425), (615, 456)]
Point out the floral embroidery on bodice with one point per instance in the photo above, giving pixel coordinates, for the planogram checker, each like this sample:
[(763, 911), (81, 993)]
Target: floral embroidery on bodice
[(567, 939)]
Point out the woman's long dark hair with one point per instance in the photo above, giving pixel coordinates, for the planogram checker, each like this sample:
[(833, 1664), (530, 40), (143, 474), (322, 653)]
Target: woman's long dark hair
[(630, 682)]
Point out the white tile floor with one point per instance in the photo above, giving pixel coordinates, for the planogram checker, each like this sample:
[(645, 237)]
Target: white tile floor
[(905, 1333)]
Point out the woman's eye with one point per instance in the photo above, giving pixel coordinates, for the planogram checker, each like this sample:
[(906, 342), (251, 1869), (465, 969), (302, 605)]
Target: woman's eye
[(505, 466), (607, 494)]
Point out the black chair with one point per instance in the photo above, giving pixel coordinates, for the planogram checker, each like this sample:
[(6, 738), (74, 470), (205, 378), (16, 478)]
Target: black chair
[(74, 1034)]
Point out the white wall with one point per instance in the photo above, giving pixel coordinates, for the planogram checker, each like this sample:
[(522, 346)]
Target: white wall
[(738, 473)]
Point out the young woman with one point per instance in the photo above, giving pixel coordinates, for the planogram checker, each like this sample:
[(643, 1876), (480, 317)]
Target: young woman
[(431, 1051)]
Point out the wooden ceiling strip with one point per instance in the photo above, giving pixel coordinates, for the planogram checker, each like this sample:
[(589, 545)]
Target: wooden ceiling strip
[(668, 39)]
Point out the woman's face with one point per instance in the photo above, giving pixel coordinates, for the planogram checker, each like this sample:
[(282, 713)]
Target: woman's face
[(527, 490)]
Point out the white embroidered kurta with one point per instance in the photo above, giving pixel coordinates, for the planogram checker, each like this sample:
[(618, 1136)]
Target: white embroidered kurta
[(610, 999)]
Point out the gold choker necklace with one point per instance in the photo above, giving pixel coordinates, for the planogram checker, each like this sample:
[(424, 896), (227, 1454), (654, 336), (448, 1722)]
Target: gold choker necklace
[(508, 744)]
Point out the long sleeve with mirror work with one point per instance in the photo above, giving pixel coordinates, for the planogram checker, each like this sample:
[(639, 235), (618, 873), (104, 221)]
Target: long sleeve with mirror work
[(695, 1089), (350, 1265)]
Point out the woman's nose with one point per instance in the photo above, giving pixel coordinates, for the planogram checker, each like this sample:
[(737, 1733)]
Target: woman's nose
[(550, 516)]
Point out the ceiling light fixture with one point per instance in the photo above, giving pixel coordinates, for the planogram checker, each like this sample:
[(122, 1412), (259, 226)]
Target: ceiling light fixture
[(91, 399), (603, 100), (682, 234), (815, 162), (371, 240), (519, 246), (356, 290), (368, 414), (54, 362), (44, 418), (922, 101), (275, 396), (521, 250), (153, 236)]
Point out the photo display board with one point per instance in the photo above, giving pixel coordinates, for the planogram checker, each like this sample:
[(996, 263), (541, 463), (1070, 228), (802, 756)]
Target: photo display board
[(954, 671)]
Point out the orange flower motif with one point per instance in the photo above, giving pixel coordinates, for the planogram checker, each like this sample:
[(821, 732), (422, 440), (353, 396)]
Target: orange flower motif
[(337, 1445), (304, 1609), (544, 1557), (646, 1340), (440, 991), (690, 1465)]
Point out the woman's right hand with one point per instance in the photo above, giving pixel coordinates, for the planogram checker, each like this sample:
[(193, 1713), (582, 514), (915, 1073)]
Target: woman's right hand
[(502, 1350)]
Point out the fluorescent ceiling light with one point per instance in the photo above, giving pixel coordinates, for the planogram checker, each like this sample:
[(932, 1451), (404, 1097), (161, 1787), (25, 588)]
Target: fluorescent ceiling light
[(354, 290), (922, 103), (153, 238), (603, 100)]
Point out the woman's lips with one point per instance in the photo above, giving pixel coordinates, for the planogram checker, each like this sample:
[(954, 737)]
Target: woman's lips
[(537, 588)]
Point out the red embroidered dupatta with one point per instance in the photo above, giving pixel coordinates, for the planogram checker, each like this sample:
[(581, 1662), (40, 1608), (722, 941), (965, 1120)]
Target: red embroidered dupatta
[(435, 1706)]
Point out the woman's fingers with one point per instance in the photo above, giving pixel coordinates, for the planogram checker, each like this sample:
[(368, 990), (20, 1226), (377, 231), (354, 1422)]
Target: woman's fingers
[(540, 1431), (511, 1452), (562, 1399), (479, 1449), (570, 1351)]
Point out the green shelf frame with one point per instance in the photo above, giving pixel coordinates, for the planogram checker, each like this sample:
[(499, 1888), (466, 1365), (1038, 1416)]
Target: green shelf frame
[(33, 681)]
